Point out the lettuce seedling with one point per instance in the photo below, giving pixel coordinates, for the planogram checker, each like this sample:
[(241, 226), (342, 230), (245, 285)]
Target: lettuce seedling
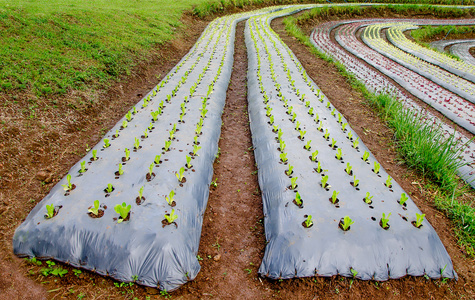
[(106, 143), (94, 154), (145, 133), (339, 154), (327, 134), (281, 145), (116, 135), (334, 196), (319, 167), (120, 170), (376, 167), (403, 199), (320, 127), (290, 170), (347, 222), (289, 110), (69, 185), (49, 211), (145, 103), (269, 110), (343, 127), (348, 168), (170, 198), (308, 221), (95, 208), (160, 105), (333, 112), (279, 134), (83, 167), (302, 134), (169, 98), (368, 198), (141, 192), (150, 169), (324, 181), (365, 155), (136, 144), (195, 140), (356, 182), (298, 199), (168, 143), (297, 126), (128, 116), (317, 118), (123, 210), (188, 162), (283, 157), (388, 181), (172, 135), (135, 110), (293, 182), (340, 118), (124, 124), (271, 120), (356, 143), (307, 146), (333, 143), (350, 135), (109, 188), (155, 114), (307, 104), (198, 129), (385, 220), (172, 217), (127, 154), (294, 116), (314, 155), (180, 175), (420, 219), (195, 150), (150, 127)]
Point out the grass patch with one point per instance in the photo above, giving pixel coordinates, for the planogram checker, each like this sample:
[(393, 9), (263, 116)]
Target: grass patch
[(423, 148)]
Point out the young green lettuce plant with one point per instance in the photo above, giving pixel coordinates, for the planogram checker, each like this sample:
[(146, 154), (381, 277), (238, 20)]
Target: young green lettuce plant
[(376, 168), (325, 181), (334, 197), (333, 143), (168, 143), (68, 186), (188, 162), (368, 198), (123, 210), (106, 143), (127, 154), (180, 174), (109, 188), (356, 143), (308, 222), (307, 146), (298, 199), (356, 182), (170, 198), (293, 183), (313, 157), (94, 155), (388, 182), (83, 167), (195, 150), (348, 169), (120, 171), (283, 157), (403, 199), (419, 220), (171, 217), (384, 221), (346, 222), (157, 159), (49, 211), (290, 170), (365, 156), (339, 154), (95, 208)]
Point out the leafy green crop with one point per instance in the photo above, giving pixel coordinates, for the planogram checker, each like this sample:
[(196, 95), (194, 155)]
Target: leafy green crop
[(68, 186), (314, 155), (388, 181), (95, 208), (137, 144), (188, 162), (376, 168), (324, 181), (127, 154), (365, 155), (106, 143), (157, 159), (124, 124), (347, 222), (49, 211), (308, 221), (109, 188), (121, 171), (172, 217), (420, 219), (180, 175), (141, 192), (339, 154), (195, 150), (368, 198), (385, 220), (293, 182), (334, 196), (290, 170), (83, 167), (348, 168), (94, 154), (403, 199), (123, 210), (298, 199), (150, 168), (283, 157), (356, 182), (170, 198)]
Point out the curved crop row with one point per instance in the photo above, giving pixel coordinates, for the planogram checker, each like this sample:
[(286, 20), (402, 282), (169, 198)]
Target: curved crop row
[(323, 192)]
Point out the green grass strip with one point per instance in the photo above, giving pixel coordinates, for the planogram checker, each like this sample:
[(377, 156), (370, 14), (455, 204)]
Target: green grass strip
[(422, 148)]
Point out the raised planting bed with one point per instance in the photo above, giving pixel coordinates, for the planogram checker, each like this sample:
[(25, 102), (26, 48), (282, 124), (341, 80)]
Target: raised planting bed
[(345, 35), (462, 50), (132, 208), (329, 207)]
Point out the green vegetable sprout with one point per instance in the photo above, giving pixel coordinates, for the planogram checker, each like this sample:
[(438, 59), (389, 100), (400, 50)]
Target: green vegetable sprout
[(356, 143), (69, 185), (150, 126), (324, 181), (420, 219), (283, 157), (170, 198), (385, 220), (290, 170), (168, 143), (271, 120), (180, 175), (365, 155), (388, 181), (289, 110), (145, 133), (308, 221), (141, 192), (293, 182), (347, 222), (157, 159), (298, 199), (403, 199), (49, 211), (376, 168), (155, 114), (340, 118), (137, 143), (368, 198), (310, 111), (172, 135), (339, 154), (319, 167), (128, 115), (195, 140), (123, 210), (83, 167), (188, 162), (343, 126), (95, 208), (314, 155), (302, 134), (106, 143), (333, 143), (350, 135), (109, 188), (348, 168), (281, 145), (334, 196), (150, 169), (327, 134), (307, 146), (120, 171), (94, 154), (297, 126), (116, 135), (356, 182), (333, 111), (172, 217), (269, 110), (124, 124), (294, 116), (307, 103), (127, 154), (195, 150)]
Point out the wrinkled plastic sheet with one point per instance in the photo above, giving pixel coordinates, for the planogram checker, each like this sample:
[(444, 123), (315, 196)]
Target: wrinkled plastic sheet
[(324, 249), (462, 50), (159, 255)]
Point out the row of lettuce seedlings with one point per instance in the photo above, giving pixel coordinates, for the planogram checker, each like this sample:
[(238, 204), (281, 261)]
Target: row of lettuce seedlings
[(96, 210), (319, 123)]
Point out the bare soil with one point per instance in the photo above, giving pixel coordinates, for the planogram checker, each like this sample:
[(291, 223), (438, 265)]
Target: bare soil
[(38, 148)]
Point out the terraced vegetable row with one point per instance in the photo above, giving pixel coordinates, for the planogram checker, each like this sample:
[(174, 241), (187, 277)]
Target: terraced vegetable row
[(453, 107), (323, 192), (133, 207), (457, 47)]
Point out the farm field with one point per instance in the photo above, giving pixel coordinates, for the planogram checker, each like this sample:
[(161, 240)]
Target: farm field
[(291, 125)]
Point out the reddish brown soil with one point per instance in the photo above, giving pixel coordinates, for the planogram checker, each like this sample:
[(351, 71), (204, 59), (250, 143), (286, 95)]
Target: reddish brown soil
[(232, 242)]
